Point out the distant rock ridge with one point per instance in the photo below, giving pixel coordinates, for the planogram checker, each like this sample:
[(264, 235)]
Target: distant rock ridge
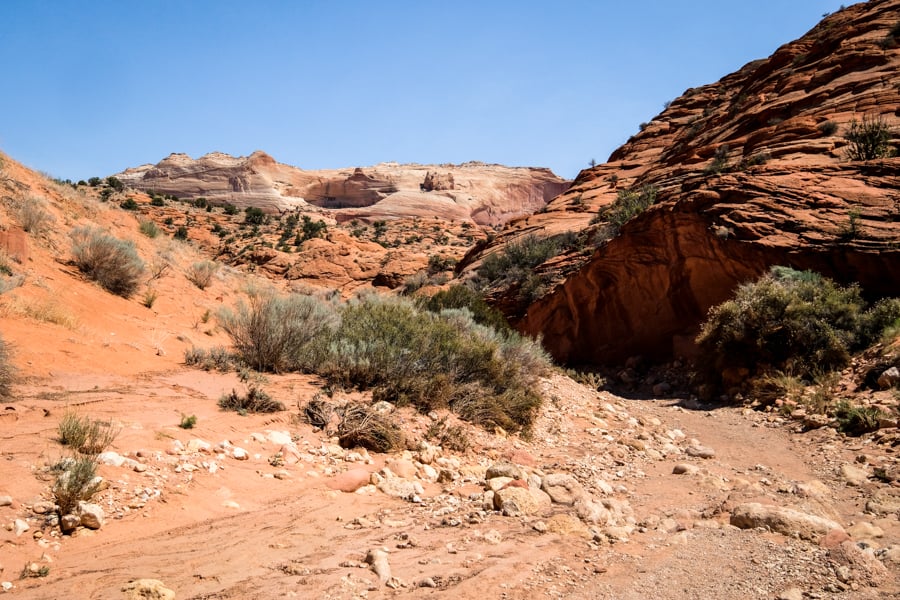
[(749, 172), (486, 194)]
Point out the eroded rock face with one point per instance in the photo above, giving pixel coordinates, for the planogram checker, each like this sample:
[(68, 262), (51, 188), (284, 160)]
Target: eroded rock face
[(750, 172), (486, 194)]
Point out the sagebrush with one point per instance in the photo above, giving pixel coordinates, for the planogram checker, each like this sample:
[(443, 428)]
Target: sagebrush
[(111, 262)]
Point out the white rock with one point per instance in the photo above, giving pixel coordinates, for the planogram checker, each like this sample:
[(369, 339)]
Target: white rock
[(782, 520), (111, 458), (20, 526), (239, 453), (279, 438), (198, 445), (6, 585), (6, 500), (91, 515)]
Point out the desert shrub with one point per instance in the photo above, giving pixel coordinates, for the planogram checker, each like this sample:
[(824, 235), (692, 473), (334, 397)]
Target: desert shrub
[(201, 273), (448, 436), (84, 435), (514, 264), (628, 204), (157, 201), (129, 204), (32, 215), (720, 159), (150, 296), (188, 422), (318, 412), (111, 262), (868, 139), (828, 128), (410, 356), (414, 283), (181, 233), (76, 481), (148, 228), (312, 229), (229, 209), (216, 358), (273, 333), (254, 401), (856, 420), (115, 183), (254, 215), (7, 371), (797, 322), (439, 264), (461, 296), (363, 426)]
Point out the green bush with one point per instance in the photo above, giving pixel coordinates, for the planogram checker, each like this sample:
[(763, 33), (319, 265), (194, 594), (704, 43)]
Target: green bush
[(869, 139), (111, 262), (181, 233), (796, 322), (628, 204), (254, 215), (312, 229), (828, 128), (129, 204), (461, 296), (513, 264), (273, 333), (410, 356), (76, 481), (115, 183), (856, 420), (188, 422)]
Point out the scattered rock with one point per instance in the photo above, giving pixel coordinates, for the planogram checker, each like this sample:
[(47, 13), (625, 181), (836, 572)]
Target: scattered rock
[(857, 565), (890, 378), (853, 476), (147, 589), (6, 500), (790, 594), (20, 526), (401, 488), (91, 515), (43, 507), (865, 531), (518, 501), (405, 469), (700, 451), (782, 520), (562, 488), (378, 560), (239, 454), (349, 481), (685, 469), (69, 523), (884, 502), (503, 470)]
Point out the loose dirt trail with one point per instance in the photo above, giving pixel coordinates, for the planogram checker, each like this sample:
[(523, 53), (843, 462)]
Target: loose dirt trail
[(248, 529)]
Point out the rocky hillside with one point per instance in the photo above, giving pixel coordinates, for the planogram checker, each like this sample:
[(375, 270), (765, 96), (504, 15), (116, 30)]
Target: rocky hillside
[(485, 194), (753, 170)]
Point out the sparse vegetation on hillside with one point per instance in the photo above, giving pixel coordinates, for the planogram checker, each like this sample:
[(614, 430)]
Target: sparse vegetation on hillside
[(201, 273), (272, 333), (32, 215), (7, 371), (868, 139), (111, 262), (792, 321), (628, 204)]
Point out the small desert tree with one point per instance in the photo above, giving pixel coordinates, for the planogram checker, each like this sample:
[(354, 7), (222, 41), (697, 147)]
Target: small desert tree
[(869, 139)]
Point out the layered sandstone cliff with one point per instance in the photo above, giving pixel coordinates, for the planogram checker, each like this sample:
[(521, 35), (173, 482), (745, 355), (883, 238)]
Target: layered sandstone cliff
[(485, 194), (749, 172)]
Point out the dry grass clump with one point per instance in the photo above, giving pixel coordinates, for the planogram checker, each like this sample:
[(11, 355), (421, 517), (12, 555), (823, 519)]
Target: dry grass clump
[(111, 262), (216, 358), (201, 273), (32, 215), (254, 401), (319, 413), (448, 436), (76, 481), (84, 435), (363, 426)]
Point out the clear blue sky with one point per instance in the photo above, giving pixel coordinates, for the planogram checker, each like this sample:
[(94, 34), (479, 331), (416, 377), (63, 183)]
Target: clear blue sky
[(91, 87)]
